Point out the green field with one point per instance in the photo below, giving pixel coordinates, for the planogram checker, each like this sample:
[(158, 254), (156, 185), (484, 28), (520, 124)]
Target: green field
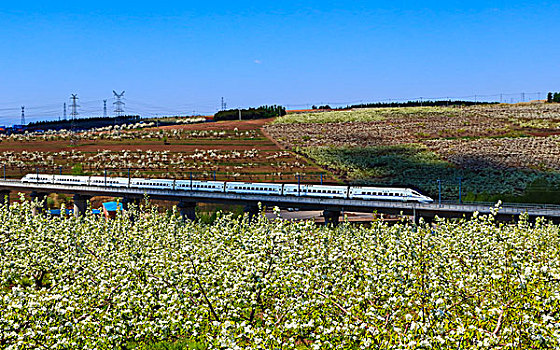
[(158, 283), (416, 166)]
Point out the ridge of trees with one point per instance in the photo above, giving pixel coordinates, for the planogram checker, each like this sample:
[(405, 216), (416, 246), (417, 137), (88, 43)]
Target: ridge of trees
[(418, 103), (261, 112), (82, 123), (128, 118), (553, 97)]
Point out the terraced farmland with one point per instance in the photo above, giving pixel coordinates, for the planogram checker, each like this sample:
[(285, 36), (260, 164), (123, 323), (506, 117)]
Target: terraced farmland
[(224, 150)]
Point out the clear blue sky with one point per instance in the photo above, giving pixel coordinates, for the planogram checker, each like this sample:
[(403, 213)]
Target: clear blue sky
[(183, 56)]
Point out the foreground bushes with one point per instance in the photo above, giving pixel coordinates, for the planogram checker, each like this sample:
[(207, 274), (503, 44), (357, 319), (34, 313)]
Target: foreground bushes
[(91, 283)]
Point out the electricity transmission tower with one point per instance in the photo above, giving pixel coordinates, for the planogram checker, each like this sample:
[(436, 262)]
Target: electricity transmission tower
[(64, 111), (73, 115), (104, 108), (22, 122), (119, 105)]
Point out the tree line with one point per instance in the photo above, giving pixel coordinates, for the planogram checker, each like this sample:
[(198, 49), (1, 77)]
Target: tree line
[(553, 97), (261, 112), (80, 123), (418, 103)]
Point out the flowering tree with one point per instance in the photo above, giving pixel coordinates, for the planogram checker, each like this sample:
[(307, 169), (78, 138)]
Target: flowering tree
[(90, 283)]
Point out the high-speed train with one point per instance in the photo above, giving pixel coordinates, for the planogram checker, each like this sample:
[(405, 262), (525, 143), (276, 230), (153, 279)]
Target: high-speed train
[(324, 191)]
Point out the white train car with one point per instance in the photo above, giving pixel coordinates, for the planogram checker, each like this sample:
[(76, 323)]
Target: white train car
[(254, 188), (38, 178), (71, 180), (323, 191), (156, 184), (388, 194), (203, 186), (108, 181)]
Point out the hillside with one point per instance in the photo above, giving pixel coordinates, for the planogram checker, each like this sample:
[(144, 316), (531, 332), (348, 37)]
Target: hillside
[(499, 151)]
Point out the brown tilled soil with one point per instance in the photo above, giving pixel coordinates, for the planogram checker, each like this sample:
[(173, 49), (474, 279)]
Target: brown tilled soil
[(243, 125)]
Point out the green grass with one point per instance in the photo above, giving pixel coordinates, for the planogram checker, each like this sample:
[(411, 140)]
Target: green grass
[(415, 166)]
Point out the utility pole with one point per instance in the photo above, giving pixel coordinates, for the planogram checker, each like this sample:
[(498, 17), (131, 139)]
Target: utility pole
[(22, 115), (522, 97), (223, 106), (239, 114), (439, 191), (460, 189), (104, 108), (501, 98)]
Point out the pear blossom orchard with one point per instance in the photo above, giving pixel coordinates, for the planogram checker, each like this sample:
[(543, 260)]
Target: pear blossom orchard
[(147, 277)]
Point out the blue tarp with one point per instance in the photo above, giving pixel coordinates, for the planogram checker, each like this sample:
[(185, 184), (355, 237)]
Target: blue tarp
[(57, 211), (112, 206)]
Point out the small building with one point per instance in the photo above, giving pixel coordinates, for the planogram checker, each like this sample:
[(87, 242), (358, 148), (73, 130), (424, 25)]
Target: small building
[(110, 209)]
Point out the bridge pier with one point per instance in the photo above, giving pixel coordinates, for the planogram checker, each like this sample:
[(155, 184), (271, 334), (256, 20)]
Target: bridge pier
[(39, 201), (331, 217), (187, 209), (5, 197), (80, 204), (252, 211)]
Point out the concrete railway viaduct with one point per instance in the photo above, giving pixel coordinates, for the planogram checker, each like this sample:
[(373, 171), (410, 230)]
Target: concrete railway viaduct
[(331, 207)]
